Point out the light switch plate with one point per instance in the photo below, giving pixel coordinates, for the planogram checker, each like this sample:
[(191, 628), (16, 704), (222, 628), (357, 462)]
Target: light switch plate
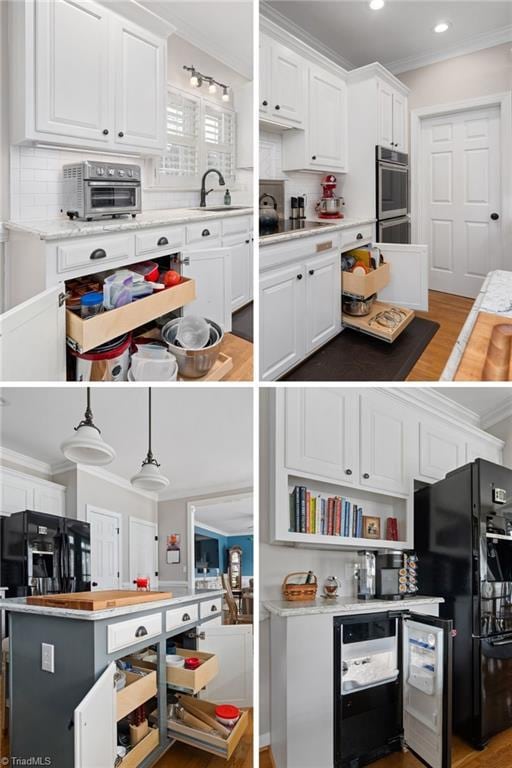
[(47, 657)]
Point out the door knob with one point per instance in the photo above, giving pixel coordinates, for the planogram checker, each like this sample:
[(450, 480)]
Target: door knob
[(94, 584), (348, 471), (265, 103), (495, 216), (311, 271), (277, 106), (366, 476), (120, 134), (299, 277)]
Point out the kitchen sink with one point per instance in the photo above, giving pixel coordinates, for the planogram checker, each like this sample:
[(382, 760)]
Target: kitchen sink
[(218, 208)]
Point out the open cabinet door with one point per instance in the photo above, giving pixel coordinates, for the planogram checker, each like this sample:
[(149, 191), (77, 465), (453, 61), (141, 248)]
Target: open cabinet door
[(211, 270), (33, 339), (233, 645), (96, 724), (427, 688), (408, 284)]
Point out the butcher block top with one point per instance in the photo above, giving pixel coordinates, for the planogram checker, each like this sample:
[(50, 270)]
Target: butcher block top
[(97, 601)]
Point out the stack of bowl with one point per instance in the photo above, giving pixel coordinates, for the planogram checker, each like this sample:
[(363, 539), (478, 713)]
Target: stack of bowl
[(195, 343)]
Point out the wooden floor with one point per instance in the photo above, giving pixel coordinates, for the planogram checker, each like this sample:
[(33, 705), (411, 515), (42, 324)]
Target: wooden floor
[(450, 312), (183, 756), (497, 755), (242, 353)]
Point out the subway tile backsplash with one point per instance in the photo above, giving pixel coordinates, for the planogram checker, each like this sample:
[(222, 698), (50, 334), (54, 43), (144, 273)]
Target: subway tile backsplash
[(37, 184)]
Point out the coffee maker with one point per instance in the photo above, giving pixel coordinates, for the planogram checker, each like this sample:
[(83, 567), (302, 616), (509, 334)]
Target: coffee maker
[(397, 575), (329, 206)]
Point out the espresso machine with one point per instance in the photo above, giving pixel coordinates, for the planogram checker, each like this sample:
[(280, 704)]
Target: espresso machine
[(330, 205)]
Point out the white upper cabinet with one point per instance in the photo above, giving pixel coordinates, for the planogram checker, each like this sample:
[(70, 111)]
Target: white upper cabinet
[(442, 448), (83, 76), (19, 491), (320, 428), (283, 84), (476, 448), (400, 122), (392, 117), (385, 115), (385, 446)]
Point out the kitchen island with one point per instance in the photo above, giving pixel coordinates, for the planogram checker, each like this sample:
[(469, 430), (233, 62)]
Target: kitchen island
[(63, 700)]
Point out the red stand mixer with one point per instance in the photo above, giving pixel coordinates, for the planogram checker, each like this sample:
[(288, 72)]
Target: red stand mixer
[(329, 206)]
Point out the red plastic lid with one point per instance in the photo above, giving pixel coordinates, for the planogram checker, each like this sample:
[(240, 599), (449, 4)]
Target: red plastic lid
[(227, 712), (192, 662)]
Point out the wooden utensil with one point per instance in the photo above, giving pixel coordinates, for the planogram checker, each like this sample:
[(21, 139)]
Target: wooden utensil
[(191, 720), (211, 721)]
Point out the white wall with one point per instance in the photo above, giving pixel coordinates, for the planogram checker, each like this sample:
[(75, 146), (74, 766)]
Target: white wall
[(503, 430), (481, 73)]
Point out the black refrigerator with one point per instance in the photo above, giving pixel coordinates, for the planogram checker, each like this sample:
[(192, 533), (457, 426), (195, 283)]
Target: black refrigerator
[(44, 554), (463, 538)]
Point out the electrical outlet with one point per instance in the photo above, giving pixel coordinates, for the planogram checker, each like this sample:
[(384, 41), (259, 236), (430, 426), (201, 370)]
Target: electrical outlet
[(47, 657)]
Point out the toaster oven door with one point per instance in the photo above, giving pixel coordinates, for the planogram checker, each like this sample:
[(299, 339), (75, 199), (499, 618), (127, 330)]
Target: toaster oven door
[(108, 197)]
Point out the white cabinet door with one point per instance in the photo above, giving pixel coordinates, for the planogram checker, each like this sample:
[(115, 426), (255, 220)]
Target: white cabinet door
[(16, 492), (95, 726), (211, 269), (321, 428), (241, 273), (323, 299), (385, 443), (442, 448), (399, 122), (72, 73), (264, 84), (33, 339), (233, 646), (282, 342), (327, 121), (483, 449), (140, 92), (385, 115), (288, 75), (50, 500), (408, 284)]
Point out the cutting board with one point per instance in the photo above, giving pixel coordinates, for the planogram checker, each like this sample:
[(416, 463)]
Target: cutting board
[(472, 364), (97, 601)]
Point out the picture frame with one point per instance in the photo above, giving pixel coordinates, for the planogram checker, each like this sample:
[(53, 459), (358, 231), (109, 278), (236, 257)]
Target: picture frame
[(371, 527), (173, 549)]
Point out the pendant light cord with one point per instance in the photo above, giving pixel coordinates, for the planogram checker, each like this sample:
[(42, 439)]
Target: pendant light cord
[(150, 458)]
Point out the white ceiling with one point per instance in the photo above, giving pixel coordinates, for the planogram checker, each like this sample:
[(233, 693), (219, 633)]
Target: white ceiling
[(201, 436), (400, 35), (480, 400), (223, 29), (230, 516)]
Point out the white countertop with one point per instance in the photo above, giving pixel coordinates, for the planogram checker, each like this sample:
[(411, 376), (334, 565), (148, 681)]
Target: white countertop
[(345, 605), (57, 229), (334, 226), (495, 297), (19, 605)]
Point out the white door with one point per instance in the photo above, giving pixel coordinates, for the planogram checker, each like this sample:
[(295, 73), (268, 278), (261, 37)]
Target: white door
[(95, 724), (33, 339), (399, 122), (233, 645), (323, 299), (327, 117), (441, 449), (241, 273), (264, 84), (460, 191), (408, 284), (105, 548), (141, 87), (321, 426), (288, 77), (143, 550), (386, 443), (385, 115), (282, 343), (211, 270), (72, 73), (16, 492)]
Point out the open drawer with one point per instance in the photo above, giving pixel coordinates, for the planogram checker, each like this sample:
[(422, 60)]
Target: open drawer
[(138, 689), (90, 333), (188, 680), (141, 750), (210, 742), (363, 286)]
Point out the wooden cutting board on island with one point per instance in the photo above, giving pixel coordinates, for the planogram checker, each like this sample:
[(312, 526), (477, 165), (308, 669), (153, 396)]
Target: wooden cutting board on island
[(97, 601)]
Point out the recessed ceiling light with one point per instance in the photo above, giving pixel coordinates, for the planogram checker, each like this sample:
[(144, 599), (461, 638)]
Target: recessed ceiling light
[(376, 5), (443, 26)]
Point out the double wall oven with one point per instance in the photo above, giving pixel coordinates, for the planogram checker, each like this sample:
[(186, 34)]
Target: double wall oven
[(392, 172)]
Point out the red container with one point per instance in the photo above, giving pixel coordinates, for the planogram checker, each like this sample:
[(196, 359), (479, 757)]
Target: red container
[(192, 662), (227, 714)]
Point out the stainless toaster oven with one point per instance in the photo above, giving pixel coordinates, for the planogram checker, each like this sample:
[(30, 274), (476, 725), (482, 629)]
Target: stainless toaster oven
[(96, 190)]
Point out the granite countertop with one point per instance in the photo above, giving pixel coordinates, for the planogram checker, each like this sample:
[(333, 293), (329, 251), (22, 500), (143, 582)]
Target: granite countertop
[(336, 226), (495, 297), (345, 605), (57, 229), (19, 605)]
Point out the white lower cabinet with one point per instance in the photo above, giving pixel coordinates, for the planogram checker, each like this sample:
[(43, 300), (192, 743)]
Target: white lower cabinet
[(95, 723), (241, 269), (19, 491), (210, 268), (408, 285), (300, 309)]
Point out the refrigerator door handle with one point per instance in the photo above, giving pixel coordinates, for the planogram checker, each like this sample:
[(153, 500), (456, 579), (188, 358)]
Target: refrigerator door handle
[(499, 643)]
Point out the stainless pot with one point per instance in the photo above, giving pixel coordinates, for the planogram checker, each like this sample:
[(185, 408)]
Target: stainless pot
[(193, 363), (358, 307)]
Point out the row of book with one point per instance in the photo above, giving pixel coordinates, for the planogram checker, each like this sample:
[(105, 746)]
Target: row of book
[(326, 515)]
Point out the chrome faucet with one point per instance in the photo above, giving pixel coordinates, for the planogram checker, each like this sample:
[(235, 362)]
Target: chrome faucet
[(203, 187)]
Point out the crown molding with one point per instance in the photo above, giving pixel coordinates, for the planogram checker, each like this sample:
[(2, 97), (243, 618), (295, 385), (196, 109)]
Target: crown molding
[(192, 494), (495, 415), (110, 477), (22, 460), (376, 70), (139, 14), (470, 45), (285, 31), (437, 404)]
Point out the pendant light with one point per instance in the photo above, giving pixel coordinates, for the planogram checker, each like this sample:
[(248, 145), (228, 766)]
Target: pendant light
[(87, 446), (148, 478)]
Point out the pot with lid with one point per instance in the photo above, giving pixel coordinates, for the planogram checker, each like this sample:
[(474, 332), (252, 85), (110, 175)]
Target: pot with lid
[(269, 217)]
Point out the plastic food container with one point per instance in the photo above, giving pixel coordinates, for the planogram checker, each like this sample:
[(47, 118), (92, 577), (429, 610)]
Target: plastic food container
[(152, 362), (149, 269), (192, 662), (227, 715), (91, 304), (193, 332), (173, 660)]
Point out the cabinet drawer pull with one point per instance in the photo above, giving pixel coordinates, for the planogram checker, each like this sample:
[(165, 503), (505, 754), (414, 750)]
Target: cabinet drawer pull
[(120, 134), (141, 631), (366, 476), (324, 246), (348, 471), (105, 131), (99, 253), (359, 236), (163, 241), (299, 277), (185, 617), (265, 103), (205, 233), (213, 609), (277, 106), (247, 242), (311, 271)]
